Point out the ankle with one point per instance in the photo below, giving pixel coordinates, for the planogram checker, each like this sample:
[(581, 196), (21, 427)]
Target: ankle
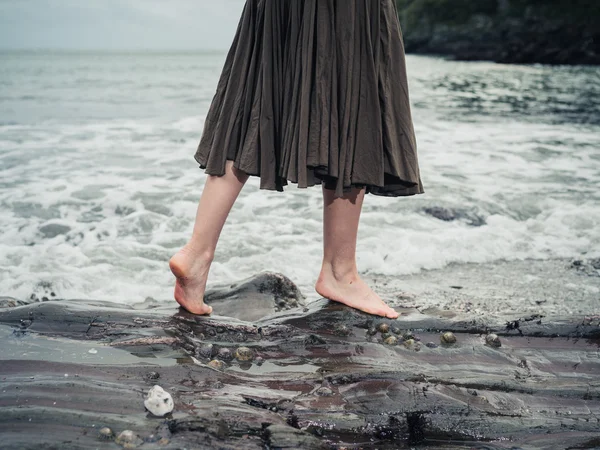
[(344, 272), (199, 252)]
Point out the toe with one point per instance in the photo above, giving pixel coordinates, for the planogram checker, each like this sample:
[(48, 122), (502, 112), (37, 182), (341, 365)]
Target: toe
[(392, 314)]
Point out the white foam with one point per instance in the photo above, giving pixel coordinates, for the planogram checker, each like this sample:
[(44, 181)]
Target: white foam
[(127, 188)]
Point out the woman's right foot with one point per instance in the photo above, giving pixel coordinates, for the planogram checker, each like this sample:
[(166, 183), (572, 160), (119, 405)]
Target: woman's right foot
[(354, 292), (191, 270)]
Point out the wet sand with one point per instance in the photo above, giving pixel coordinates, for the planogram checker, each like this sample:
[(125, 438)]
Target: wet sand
[(321, 375)]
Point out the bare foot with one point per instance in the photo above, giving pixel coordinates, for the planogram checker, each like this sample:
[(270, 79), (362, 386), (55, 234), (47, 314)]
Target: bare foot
[(191, 271), (354, 292)]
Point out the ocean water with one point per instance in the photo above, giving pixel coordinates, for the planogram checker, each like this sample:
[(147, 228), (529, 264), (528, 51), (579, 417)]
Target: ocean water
[(98, 185)]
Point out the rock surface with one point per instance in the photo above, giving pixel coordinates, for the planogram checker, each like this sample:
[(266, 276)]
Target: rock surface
[(507, 31), (315, 388)]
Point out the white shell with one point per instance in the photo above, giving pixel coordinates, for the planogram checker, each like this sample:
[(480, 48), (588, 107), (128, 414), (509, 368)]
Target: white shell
[(158, 401)]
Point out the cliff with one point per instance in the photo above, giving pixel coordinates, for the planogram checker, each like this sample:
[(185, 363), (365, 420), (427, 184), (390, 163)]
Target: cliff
[(507, 31)]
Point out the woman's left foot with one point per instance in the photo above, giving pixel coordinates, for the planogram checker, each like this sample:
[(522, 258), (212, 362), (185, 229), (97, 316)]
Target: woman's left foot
[(354, 292)]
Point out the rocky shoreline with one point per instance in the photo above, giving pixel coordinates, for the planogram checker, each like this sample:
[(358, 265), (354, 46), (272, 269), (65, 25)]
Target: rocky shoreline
[(313, 375), (504, 31)]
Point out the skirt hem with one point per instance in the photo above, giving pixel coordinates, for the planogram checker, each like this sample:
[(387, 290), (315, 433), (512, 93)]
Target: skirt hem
[(406, 189)]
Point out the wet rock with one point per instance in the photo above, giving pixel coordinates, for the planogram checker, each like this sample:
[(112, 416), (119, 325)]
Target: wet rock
[(52, 230), (206, 351), (152, 376), (589, 267), (244, 354), (391, 340), (493, 340), (9, 302), (408, 335), (505, 31), (383, 327), (106, 434), (263, 295), (158, 401), (342, 330), (287, 437), (408, 343), (128, 439), (225, 354), (431, 345), (451, 214), (448, 338), (259, 360), (324, 391), (216, 364)]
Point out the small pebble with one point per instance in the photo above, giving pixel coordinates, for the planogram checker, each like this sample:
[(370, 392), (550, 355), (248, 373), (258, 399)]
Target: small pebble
[(259, 360), (396, 330), (216, 364), (158, 401), (93, 351), (493, 340), (408, 335), (244, 354), (106, 434), (448, 338), (372, 331), (431, 345), (324, 391), (383, 327), (408, 343), (128, 439), (153, 375), (206, 351), (225, 354), (391, 340), (342, 330)]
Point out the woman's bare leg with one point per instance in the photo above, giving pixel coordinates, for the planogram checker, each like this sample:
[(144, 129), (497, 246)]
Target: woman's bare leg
[(339, 279), (191, 264)]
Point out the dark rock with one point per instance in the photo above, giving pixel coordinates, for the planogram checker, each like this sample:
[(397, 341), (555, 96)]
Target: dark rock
[(450, 214), (9, 302), (106, 434), (52, 230), (206, 351), (508, 31), (589, 267), (225, 354), (263, 295), (448, 338), (216, 364), (244, 354), (493, 340), (152, 376), (286, 437), (391, 340), (396, 330), (383, 328), (536, 389)]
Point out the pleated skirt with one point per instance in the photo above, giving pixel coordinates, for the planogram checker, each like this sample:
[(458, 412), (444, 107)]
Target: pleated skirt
[(315, 92)]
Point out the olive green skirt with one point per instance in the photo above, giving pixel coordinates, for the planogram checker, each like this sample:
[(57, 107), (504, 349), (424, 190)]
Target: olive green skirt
[(315, 92)]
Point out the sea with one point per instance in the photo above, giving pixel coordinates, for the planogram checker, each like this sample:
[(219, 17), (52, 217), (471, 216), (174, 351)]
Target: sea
[(99, 188)]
